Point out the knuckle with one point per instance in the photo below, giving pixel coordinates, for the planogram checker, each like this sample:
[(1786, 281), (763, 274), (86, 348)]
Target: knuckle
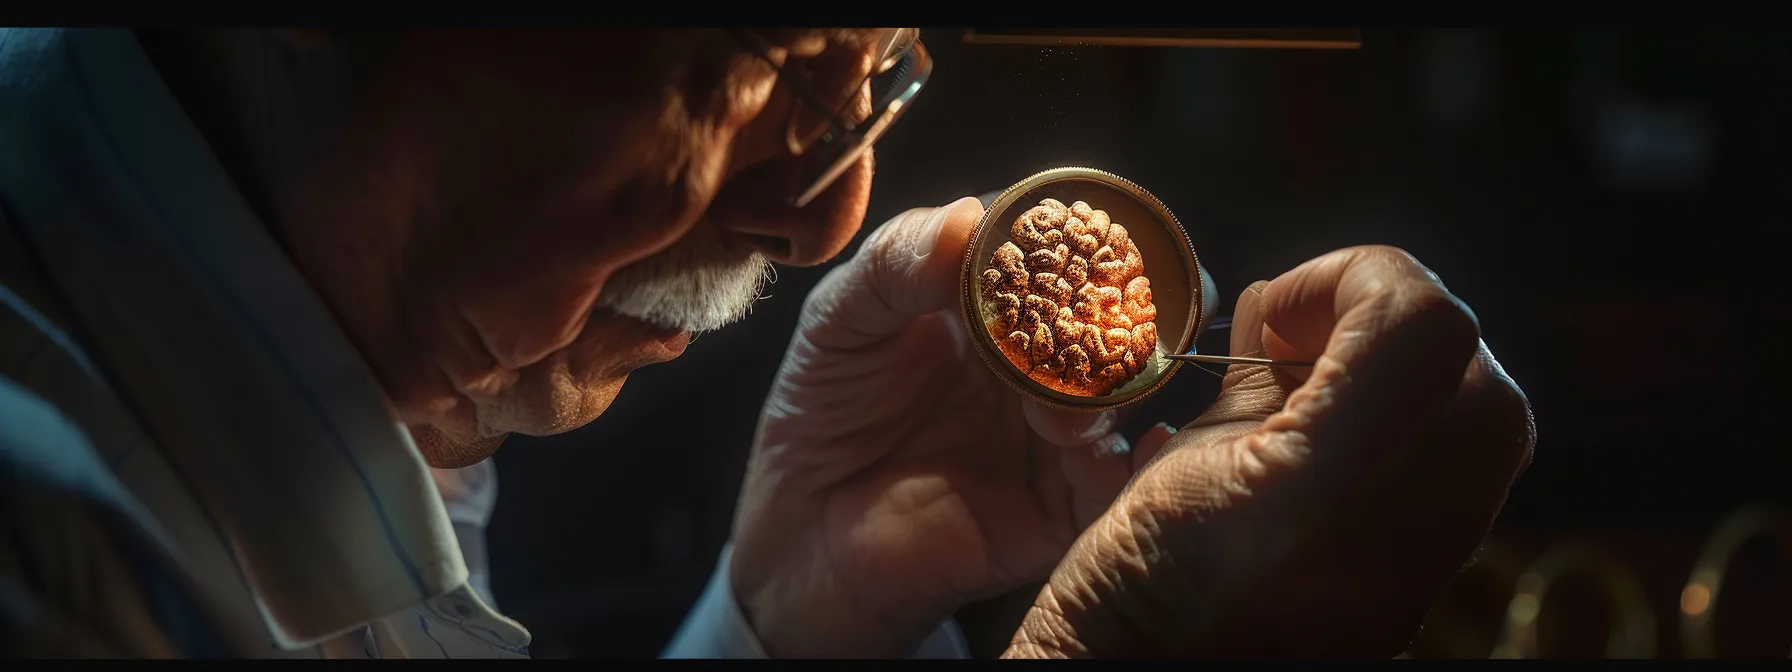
[(910, 218), (1404, 263), (1403, 281), (1387, 256), (881, 238), (1440, 313)]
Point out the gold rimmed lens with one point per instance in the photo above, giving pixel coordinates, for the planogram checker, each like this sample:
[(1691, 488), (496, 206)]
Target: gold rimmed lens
[(1110, 263)]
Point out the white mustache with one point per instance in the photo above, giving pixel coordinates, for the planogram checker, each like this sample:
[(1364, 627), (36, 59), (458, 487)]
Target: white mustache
[(699, 284)]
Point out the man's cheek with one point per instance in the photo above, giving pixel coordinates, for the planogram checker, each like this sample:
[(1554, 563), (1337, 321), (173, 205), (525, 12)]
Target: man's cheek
[(760, 133), (519, 328), (543, 303), (847, 201)]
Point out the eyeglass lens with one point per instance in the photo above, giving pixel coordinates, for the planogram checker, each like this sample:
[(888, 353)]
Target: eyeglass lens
[(851, 87)]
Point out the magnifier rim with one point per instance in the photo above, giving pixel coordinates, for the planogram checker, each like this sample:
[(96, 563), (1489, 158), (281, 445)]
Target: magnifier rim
[(979, 332)]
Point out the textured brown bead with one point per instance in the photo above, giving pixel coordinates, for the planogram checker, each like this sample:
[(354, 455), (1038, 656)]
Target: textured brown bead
[(1072, 306)]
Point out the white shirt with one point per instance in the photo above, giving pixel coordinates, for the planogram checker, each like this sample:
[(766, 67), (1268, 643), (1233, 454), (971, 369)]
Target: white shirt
[(227, 476)]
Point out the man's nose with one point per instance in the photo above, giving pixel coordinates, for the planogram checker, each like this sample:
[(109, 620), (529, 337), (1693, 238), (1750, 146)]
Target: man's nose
[(755, 205)]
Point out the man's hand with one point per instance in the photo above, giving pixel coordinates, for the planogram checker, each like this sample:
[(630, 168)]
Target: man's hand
[(894, 479), (1306, 513)]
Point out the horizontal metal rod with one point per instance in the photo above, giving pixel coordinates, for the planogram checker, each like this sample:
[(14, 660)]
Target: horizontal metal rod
[(1223, 38)]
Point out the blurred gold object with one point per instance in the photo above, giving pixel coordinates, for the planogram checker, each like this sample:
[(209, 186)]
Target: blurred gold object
[(1698, 601), (1223, 38), (1632, 633)]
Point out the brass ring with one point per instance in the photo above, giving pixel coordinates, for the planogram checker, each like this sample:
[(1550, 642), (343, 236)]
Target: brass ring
[(1698, 600), (1633, 630)]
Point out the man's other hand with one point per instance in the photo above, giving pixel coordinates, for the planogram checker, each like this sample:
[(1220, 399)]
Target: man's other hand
[(1309, 512)]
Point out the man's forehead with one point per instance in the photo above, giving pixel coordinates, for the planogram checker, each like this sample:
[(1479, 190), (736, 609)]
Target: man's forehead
[(805, 39)]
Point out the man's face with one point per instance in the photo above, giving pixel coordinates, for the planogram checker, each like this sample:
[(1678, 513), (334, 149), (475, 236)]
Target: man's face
[(517, 220)]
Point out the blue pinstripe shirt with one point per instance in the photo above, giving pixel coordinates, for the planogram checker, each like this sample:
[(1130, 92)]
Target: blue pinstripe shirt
[(197, 462)]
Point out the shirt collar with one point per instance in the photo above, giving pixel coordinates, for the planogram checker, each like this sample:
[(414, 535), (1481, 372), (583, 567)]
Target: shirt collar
[(232, 362)]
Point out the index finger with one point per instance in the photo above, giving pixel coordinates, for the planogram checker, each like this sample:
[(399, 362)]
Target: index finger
[(1390, 345)]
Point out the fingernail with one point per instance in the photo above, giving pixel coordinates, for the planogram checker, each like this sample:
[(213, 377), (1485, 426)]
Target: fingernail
[(1102, 426), (1112, 444), (1433, 276), (927, 237), (1167, 428)]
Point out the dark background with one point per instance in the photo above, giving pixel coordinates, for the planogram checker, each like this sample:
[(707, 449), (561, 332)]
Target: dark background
[(1609, 202)]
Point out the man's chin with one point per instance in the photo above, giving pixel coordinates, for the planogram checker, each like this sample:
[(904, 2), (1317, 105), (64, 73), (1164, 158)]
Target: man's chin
[(440, 451), (553, 409), (574, 386), (567, 390)]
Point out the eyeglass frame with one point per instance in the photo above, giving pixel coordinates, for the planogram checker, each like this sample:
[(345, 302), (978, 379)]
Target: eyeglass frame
[(841, 132)]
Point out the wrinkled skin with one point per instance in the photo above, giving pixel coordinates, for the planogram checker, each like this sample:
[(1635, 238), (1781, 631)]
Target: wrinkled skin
[(893, 478), (482, 186), (1308, 513)]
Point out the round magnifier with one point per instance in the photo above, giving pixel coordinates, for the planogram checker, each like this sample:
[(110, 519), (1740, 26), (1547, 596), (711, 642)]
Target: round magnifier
[(1075, 286)]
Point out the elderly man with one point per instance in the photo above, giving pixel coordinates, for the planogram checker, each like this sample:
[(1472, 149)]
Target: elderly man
[(254, 285)]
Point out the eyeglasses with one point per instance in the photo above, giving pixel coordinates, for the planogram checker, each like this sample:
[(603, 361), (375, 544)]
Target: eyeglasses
[(843, 109)]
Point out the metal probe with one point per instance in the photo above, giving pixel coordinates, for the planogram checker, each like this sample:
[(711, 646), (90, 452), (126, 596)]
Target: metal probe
[(1217, 359), (1224, 323)]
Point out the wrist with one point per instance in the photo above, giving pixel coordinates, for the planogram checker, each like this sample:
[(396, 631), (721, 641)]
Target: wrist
[(802, 611)]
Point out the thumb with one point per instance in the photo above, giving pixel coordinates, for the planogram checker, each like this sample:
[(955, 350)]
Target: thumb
[(1068, 428), (907, 268), (1249, 393)]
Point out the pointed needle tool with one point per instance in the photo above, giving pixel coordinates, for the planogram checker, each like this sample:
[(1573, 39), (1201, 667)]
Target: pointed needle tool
[(1217, 359)]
